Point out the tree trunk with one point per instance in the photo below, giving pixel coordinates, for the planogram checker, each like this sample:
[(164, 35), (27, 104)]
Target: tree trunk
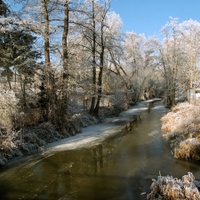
[(48, 75), (100, 77), (65, 58), (64, 40), (24, 92), (8, 77), (93, 60), (96, 110)]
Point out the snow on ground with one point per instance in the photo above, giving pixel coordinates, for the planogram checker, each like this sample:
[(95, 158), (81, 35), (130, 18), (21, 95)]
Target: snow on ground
[(95, 134)]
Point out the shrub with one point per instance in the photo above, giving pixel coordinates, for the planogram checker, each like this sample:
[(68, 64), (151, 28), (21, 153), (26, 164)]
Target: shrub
[(30, 117), (118, 102), (8, 109)]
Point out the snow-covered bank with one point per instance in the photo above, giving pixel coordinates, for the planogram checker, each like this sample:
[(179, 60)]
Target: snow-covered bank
[(97, 133), (181, 128)]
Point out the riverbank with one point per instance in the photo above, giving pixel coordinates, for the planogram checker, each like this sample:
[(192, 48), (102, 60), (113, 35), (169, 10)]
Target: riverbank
[(181, 128), (39, 143), (97, 133)]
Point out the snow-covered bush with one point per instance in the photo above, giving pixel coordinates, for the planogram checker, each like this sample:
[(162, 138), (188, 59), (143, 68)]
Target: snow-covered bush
[(8, 109), (8, 137), (169, 188), (78, 121), (30, 117), (118, 101)]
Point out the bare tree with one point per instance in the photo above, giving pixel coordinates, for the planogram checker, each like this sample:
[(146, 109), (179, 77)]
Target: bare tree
[(169, 53), (102, 43), (190, 35)]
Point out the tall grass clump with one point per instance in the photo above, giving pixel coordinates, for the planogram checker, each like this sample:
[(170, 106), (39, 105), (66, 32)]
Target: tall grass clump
[(188, 149), (181, 127)]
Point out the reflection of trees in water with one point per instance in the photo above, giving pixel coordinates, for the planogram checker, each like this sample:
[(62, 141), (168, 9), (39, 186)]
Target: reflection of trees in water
[(98, 156), (66, 174), (149, 106), (86, 165)]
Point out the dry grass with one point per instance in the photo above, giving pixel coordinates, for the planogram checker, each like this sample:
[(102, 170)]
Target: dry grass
[(169, 188), (30, 117), (8, 149), (180, 118), (188, 149), (181, 127)]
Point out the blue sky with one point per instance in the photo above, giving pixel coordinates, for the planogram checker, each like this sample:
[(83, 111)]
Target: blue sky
[(149, 16)]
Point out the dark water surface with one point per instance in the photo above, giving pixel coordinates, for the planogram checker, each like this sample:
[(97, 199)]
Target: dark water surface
[(121, 168)]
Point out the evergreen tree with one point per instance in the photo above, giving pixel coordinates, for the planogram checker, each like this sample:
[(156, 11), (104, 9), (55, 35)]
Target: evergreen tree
[(16, 45), (4, 11)]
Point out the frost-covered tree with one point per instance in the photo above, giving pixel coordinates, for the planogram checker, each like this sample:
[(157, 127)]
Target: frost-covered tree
[(190, 36), (153, 86), (134, 61), (172, 59), (50, 23), (169, 58), (179, 56), (98, 39)]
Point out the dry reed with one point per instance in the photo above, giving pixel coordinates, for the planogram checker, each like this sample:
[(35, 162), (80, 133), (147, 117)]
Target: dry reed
[(169, 188)]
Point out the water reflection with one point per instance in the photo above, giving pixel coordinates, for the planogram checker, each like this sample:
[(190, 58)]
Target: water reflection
[(120, 168)]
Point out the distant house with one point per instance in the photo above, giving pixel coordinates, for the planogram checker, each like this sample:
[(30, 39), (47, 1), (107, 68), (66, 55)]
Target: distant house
[(194, 94), (197, 93)]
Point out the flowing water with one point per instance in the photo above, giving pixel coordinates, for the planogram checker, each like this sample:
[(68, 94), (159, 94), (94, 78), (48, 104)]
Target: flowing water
[(121, 168)]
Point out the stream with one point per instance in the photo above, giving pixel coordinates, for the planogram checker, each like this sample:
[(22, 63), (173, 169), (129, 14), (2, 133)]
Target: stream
[(120, 168)]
